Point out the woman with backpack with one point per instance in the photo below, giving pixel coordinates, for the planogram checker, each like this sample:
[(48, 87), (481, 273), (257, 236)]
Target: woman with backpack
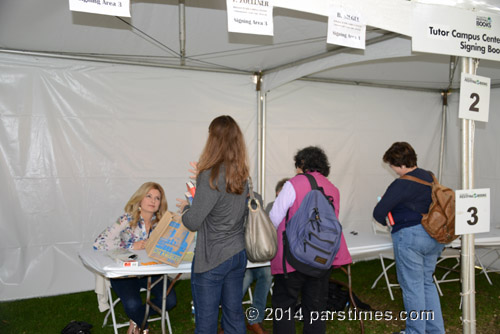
[(415, 251), (290, 282)]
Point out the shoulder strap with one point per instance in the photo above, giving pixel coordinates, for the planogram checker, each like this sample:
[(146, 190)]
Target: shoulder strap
[(312, 181), (416, 179), (314, 186)]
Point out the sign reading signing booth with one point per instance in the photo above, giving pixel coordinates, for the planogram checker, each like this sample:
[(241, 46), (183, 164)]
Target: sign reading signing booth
[(454, 31), (104, 7), (474, 97), (250, 16), (472, 211)]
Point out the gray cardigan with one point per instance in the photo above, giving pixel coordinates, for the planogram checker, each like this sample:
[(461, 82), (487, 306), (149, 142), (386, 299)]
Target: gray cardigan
[(218, 217)]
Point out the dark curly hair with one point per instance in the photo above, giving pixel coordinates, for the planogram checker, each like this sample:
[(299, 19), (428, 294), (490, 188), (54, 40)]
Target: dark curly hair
[(312, 159), (400, 154)]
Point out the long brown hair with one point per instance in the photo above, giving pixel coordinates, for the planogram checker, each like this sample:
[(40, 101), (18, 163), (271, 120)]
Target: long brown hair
[(225, 146), (132, 206)]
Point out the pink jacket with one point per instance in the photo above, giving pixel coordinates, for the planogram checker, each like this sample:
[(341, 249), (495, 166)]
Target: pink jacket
[(301, 186)]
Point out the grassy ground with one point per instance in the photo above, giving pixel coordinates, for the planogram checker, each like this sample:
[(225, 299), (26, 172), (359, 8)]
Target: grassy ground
[(51, 314)]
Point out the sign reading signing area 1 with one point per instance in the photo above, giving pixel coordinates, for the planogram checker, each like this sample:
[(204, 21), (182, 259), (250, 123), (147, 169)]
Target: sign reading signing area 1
[(455, 31)]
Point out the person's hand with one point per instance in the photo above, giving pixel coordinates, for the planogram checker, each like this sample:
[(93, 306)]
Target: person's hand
[(139, 245), (193, 171), (177, 217), (181, 204)]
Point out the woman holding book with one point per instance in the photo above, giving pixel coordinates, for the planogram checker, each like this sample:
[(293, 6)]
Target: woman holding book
[(217, 214), (143, 211), (415, 251)]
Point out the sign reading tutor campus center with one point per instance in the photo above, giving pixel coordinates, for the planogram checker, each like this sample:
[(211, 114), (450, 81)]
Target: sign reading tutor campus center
[(454, 31)]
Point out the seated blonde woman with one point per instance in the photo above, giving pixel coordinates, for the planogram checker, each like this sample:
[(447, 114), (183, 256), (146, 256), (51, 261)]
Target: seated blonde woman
[(131, 230)]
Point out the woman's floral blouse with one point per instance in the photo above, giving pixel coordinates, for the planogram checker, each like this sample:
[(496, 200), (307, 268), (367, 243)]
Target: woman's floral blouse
[(121, 235)]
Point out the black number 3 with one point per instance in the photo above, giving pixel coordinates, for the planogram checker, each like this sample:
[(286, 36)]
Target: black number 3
[(473, 211), (474, 104)]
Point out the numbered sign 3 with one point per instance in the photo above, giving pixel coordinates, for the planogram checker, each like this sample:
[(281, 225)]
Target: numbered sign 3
[(474, 97), (472, 211)]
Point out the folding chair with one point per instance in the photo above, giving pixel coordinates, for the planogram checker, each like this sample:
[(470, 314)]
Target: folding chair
[(250, 297), (383, 256), (387, 255), (448, 253), (112, 304), (489, 267)]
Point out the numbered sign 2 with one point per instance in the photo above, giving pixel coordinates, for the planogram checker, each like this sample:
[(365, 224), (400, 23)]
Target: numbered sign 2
[(472, 211), (474, 97)]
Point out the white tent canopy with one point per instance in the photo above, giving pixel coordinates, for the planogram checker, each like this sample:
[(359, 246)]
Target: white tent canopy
[(92, 106)]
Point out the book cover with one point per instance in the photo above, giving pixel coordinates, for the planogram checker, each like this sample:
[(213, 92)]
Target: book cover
[(191, 187), (189, 197)]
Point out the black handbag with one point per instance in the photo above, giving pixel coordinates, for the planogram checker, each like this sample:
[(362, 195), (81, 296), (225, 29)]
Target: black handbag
[(77, 327)]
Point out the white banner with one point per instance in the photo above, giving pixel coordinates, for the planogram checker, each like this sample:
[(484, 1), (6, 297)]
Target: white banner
[(345, 27), (474, 97), (472, 211), (454, 31), (105, 7), (250, 16)]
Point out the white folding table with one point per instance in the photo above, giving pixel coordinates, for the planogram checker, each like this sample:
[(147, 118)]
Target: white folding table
[(100, 263)]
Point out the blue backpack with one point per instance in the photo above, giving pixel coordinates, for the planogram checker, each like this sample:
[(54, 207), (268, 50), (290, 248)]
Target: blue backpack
[(311, 239)]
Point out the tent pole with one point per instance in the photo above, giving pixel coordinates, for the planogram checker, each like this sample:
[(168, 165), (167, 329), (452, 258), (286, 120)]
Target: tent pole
[(261, 137), (467, 256), (182, 31), (444, 95)]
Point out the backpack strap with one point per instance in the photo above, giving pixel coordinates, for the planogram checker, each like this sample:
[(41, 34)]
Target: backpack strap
[(314, 185), (418, 180), (312, 181)]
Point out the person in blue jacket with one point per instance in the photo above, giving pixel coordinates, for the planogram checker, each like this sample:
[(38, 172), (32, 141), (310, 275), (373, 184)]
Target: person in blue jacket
[(415, 251)]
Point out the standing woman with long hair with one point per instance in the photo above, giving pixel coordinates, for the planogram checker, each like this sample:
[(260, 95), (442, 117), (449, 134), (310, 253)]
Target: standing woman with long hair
[(217, 214)]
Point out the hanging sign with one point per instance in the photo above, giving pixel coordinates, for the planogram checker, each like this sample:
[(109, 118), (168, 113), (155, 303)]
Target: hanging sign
[(250, 16), (453, 31), (345, 27), (474, 97), (472, 211), (105, 7)]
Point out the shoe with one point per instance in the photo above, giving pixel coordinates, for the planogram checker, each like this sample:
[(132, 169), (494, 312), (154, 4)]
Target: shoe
[(220, 332), (263, 330), (400, 332), (255, 328)]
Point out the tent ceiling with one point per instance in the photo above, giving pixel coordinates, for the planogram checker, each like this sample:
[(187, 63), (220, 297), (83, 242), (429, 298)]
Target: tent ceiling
[(151, 36)]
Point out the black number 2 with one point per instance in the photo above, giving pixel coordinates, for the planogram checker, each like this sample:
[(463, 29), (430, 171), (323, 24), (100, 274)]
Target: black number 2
[(473, 107), (473, 211)]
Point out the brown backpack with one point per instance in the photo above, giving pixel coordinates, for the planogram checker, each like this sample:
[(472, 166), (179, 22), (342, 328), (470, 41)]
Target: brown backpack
[(439, 222)]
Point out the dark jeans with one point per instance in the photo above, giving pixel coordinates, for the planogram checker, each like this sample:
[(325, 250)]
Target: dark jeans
[(220, 286), (128, 289), (314, 299)]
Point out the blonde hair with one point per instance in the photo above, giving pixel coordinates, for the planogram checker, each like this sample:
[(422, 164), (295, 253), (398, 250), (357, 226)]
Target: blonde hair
[(132, 206), (225, 146)]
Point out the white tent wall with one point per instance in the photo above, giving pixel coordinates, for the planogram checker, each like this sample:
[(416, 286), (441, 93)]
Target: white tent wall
[(78, 138), (355, 126)]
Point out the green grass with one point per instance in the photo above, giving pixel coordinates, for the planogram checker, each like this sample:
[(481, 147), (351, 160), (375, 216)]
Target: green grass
[(50, 314)]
